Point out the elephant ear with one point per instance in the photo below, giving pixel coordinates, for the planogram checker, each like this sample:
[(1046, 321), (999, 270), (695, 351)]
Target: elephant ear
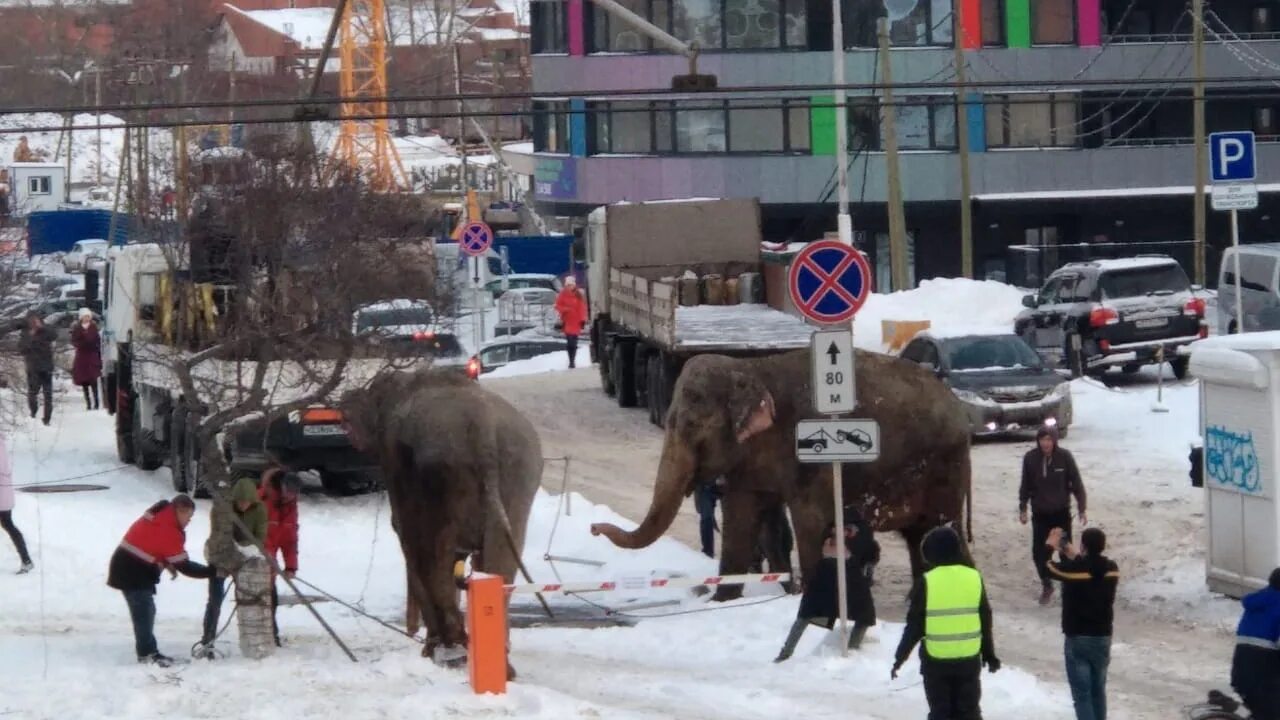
[(750, 406)]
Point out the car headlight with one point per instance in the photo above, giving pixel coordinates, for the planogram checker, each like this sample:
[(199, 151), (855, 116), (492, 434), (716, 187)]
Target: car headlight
[(971, 397)]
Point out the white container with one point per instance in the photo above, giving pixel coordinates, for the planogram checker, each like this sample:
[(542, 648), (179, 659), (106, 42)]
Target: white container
[(1240, 423)]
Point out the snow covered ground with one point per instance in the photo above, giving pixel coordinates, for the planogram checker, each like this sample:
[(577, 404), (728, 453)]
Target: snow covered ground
[(66, 649)]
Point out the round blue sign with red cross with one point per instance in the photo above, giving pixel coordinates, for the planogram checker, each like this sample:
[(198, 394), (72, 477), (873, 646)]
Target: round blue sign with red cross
[(476, 238), (829, 282)]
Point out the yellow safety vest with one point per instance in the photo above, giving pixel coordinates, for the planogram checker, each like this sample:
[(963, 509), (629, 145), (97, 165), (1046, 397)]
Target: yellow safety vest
[(952, 627)]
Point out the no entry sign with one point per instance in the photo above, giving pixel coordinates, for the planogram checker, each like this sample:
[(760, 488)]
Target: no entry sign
[(829, 281), (476, 238)]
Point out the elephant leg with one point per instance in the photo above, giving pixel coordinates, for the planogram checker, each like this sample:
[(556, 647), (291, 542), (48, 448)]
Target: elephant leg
[(775, 537), (811, 513), (412, 609), (913, 535), (739, 535)]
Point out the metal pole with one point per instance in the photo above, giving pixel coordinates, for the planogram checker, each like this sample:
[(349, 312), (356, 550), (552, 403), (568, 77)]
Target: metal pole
[(842, 579), (97, 101), (889, 125), (962, 144), (1197, 26), (844, 222), (1235, 246)]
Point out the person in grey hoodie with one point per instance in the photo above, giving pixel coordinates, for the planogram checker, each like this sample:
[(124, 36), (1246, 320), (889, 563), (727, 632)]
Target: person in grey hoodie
[(36, 347), (1049, 480)]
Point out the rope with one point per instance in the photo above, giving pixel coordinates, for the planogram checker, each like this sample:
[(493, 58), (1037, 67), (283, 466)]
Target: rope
[(358, 611), (108, 471), (368, 572), (610, 612)]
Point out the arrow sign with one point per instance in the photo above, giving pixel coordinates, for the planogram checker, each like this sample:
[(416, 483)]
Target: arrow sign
[(833, 381)]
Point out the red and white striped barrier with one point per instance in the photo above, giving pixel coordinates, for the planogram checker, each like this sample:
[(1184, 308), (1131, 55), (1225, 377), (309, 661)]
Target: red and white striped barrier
[(645, 583)]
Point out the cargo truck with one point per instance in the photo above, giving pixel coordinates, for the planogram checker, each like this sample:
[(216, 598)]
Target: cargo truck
[(670, 280)]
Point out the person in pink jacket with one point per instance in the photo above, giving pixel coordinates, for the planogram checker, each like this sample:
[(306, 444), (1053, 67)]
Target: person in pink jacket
[(6, 507)]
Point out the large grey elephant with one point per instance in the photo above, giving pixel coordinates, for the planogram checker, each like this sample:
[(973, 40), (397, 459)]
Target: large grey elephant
[(737, 418), (461, 467)]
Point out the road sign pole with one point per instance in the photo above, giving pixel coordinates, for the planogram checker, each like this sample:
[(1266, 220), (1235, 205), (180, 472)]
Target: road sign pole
[(1235, 245), (842, 574)]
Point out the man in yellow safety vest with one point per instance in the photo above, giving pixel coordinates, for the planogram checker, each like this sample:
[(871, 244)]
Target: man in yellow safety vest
[(949, 612)]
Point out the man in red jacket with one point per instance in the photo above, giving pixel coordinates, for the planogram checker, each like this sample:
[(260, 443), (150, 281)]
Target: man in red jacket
[(572, 307), (279, 492), (156, 541)]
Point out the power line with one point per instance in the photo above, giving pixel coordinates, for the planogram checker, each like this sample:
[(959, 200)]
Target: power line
[(315, 113)]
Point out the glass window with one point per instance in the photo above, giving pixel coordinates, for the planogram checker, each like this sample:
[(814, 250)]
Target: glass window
[(1261, 19), (551, 126), (913, 127), (1264, 121), (550, 31), (884, 265), (601, 139), (943, 114), (632, 129), (700, 128), (1146, 281), (993, 23), (698, 20), (1065, 120), (980, 353), (1053, 22), (1033, 120), (864, 125), (756, 129), (796, 24), (1030, 121), (662, 127), (752, 23), (798, 126), (494, 356), (609, 34), (928, 22)]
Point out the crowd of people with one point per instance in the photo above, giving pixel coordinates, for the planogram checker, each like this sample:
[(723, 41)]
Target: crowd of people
[(261, 514)]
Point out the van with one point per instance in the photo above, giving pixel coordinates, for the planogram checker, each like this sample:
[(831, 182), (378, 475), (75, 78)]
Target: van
[(1259, 289)]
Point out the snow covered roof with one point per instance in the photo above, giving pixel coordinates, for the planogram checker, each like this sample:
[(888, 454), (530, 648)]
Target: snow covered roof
[(306, 26), (963, 331), (1133, 263), (1162, 191)]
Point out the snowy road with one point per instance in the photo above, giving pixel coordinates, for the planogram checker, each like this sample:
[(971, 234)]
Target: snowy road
[(1173, 640)]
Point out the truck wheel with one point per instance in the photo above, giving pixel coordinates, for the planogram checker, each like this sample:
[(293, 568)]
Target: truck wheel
[(124, 436), (1075, 355), (641, 365), (1180, 367), (624, 374), (143, 451)]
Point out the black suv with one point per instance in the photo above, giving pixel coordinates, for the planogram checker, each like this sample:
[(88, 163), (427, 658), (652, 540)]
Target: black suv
[(1092, 316)]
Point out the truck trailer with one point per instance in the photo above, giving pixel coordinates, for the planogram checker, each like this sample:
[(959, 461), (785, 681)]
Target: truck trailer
[(670, 280)]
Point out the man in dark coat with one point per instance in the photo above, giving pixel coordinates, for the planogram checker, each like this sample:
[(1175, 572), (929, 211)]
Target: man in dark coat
[(949, 612), (155, 542), (36, 347), (1049, 479), (820, 604), (1089, 581)]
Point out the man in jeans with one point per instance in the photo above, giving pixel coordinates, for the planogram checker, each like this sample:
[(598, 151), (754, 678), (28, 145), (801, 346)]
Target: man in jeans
[(36, 347), (1049, 479), (1089, 582)]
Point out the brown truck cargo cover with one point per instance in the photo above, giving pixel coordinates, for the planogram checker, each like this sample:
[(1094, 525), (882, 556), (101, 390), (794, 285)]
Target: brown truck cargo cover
[(687, 232)]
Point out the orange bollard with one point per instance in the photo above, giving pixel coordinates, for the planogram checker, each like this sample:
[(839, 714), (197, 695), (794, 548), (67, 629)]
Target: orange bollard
[(487, 633)]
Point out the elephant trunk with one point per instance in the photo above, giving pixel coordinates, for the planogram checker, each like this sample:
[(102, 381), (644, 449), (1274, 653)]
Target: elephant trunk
[(675, 476)]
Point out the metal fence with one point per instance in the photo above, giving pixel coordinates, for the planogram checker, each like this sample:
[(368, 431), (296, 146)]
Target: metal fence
[(1027, 266)]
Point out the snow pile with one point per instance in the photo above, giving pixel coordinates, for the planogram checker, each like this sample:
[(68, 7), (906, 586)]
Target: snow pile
[(945, 302), (550, 362)]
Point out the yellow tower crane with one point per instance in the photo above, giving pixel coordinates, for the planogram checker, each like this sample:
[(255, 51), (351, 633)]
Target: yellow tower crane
[(364, 142)]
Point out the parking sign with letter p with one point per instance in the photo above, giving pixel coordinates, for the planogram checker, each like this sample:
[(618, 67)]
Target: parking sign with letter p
[(1231, 157)]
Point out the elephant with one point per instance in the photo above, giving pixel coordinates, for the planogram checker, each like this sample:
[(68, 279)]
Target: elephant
[(461, 468), (737, 417)]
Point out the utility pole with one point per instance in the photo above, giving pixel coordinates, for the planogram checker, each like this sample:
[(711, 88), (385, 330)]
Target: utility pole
[(844, 222), (1197, 20), (97, 103), (462, 141), (962, 144), (889, 130)]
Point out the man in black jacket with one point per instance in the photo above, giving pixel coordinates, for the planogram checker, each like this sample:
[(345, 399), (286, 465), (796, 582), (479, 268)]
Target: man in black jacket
[(1049, 479), (36, 348), (950, 613), (1089, 582)]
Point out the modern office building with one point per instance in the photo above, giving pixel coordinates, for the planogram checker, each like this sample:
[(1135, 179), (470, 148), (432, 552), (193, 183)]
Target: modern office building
[(1056, 159)]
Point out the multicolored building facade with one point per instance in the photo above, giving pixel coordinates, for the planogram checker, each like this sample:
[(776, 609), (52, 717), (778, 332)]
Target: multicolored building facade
[(1080, 128)]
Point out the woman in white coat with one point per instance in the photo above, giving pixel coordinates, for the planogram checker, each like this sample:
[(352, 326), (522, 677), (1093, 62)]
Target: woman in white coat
[(6, 507)]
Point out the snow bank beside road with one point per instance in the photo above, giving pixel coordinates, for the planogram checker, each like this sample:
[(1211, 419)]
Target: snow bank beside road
[(551, 362), (945, 303)]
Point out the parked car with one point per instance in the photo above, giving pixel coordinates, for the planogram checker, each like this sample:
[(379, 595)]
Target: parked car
[(517, 281), (77, 258), (505, 350), (1001, 381), (1259, 288), (1127, 313)]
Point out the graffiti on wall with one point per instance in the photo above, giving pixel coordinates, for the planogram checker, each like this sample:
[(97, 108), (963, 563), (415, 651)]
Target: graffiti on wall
[(1231, 460)]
